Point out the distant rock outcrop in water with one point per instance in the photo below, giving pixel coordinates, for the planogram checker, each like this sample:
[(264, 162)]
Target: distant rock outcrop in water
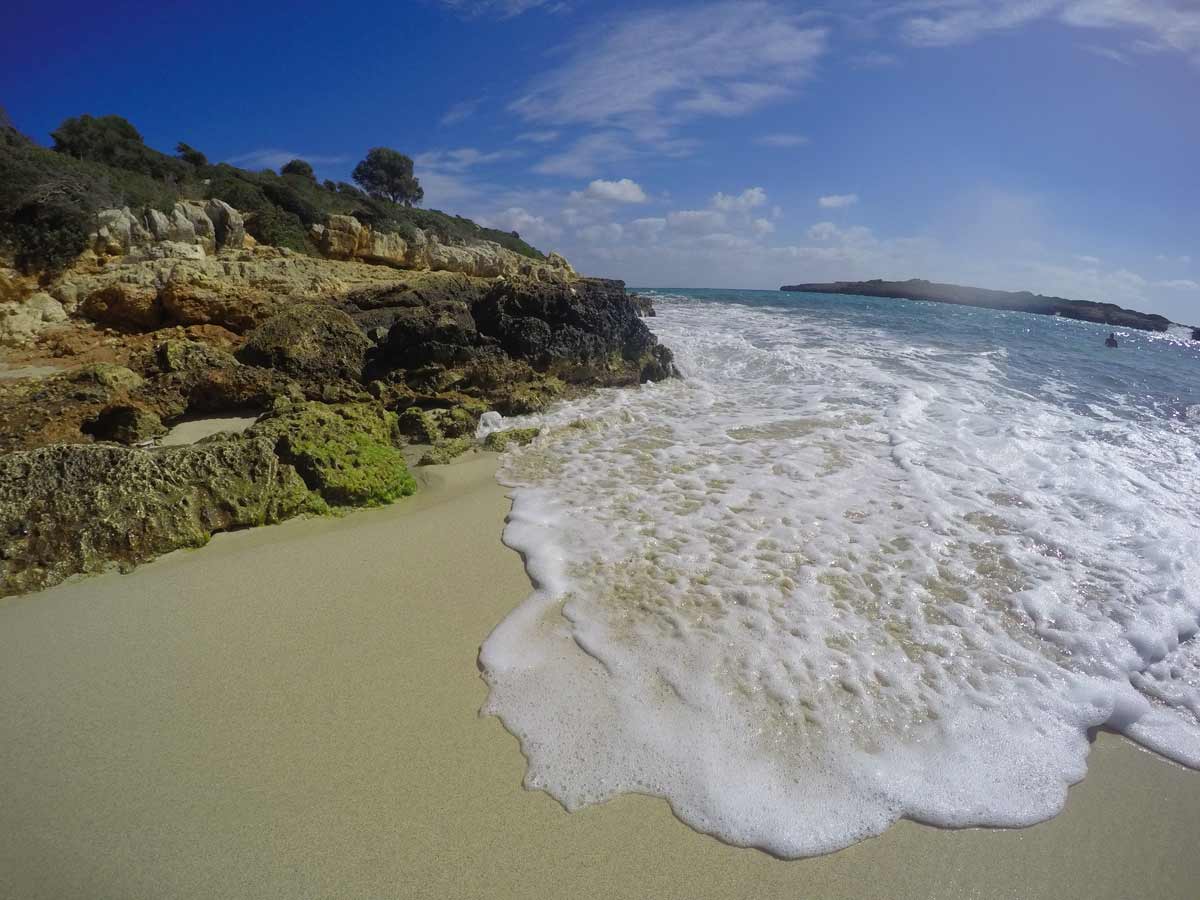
[(1019, 301)]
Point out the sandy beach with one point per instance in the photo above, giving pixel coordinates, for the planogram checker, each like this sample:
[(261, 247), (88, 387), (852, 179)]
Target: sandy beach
[(292, 712)]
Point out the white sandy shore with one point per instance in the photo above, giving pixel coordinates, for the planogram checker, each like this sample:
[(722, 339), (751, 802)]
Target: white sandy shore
[(291, 712)]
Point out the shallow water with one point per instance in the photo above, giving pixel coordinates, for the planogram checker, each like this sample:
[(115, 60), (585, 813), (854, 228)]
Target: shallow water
[(870, 559)]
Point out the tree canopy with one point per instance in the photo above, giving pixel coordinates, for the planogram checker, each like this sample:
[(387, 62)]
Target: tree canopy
[(299, 167), (388, 173), (190, 154)]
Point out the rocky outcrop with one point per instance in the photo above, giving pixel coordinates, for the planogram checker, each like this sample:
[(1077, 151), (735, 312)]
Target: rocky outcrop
[(22, 320), (348, 455), (311, 342), (79, 508), (208, 227), (1021, 301), (1196, 334), (344, 237), (587, 331), (39, 411)]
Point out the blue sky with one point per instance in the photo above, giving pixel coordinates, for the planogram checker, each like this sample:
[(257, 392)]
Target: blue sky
[(1041, 144)]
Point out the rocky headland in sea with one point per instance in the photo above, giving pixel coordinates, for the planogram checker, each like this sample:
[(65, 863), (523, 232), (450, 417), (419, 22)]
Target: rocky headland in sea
[(1018, 301), (367, 348)]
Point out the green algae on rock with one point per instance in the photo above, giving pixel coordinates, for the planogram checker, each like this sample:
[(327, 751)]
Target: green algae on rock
[(500, 441), (447, 451), (347, 454), (76, 508)]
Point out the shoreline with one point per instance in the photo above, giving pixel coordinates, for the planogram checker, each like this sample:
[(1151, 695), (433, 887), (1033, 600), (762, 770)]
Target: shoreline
[(292, 711)]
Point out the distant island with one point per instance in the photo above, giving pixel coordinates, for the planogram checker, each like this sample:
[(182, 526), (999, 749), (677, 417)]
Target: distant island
[(1019, 301)]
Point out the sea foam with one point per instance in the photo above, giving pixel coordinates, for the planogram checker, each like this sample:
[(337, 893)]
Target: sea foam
[(842, 574)]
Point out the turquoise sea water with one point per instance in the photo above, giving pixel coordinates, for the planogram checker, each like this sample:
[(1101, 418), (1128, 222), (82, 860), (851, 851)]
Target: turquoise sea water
[(869, 559)]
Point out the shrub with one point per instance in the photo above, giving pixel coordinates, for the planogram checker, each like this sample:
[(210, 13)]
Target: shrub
[(191, 155), (301, 168)]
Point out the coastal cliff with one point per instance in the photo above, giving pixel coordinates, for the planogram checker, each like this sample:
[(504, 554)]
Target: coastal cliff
[(343, 350), (1020, 301)]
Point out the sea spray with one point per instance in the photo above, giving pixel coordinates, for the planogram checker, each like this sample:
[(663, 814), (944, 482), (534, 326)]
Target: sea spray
[(868, 560)]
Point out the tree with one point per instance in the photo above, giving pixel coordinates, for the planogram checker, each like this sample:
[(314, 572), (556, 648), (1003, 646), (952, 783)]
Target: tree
[(190, 155), (105, 139), (388, 174), (301, 168), (113, 141)]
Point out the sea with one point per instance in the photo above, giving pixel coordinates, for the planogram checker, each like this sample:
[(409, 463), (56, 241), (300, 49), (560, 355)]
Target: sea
[(868, 559)]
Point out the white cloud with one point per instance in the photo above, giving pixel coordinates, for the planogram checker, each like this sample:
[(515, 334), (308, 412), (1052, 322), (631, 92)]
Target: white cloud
[(838, 201), (873, 60), (538, 137), (273, 158), (587, 155), (1088, 260), (748, 199), (458, 160), (504, 9), (695, 221), (1170, 24), (459, 112), (1178, 284), (762, 226), (648, 229), (530, 227), (647, 71), (623, 191), (1106, 52), (782, 140), (829, 232), (601, 234)]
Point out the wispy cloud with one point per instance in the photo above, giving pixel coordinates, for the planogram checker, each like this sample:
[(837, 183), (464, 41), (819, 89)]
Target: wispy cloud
[(587, 155), (273, 158), (1170, 24), (504, 9), (1106, 52), (460, 159), (873, 60), (648, 71), (782, 140), (538, 137), (460, 112), (837, 201)]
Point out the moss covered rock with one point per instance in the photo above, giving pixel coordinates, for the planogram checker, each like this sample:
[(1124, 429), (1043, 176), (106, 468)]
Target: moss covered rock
[(311, 342), (348, 454), (500, 441), (77, 508), (447, 451)]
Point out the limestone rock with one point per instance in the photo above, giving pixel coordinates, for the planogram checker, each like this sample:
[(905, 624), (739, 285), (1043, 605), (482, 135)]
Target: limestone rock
[(229, 228), (311, 342), (125, 424), (347, 454), (22, 321), (130, 306), (77, 508), (499, 441)]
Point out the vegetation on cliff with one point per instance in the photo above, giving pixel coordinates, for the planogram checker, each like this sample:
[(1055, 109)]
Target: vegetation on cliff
[(49, 197)]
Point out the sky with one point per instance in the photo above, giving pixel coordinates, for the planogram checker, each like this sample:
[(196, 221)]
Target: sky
[(1049, 145)]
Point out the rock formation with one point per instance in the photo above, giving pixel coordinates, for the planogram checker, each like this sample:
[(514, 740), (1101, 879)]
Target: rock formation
[(392, 338)]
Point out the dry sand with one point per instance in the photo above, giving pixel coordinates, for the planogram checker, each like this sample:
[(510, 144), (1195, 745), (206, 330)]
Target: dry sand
[(291, 712)]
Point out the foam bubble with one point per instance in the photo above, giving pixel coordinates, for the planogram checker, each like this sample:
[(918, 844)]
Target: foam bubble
[(839, 576)]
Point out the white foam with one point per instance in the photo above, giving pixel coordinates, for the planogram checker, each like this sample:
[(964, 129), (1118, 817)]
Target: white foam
[(835, 578)]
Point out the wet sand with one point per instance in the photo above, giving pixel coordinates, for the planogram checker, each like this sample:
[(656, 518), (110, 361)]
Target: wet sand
[(291, 712)]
